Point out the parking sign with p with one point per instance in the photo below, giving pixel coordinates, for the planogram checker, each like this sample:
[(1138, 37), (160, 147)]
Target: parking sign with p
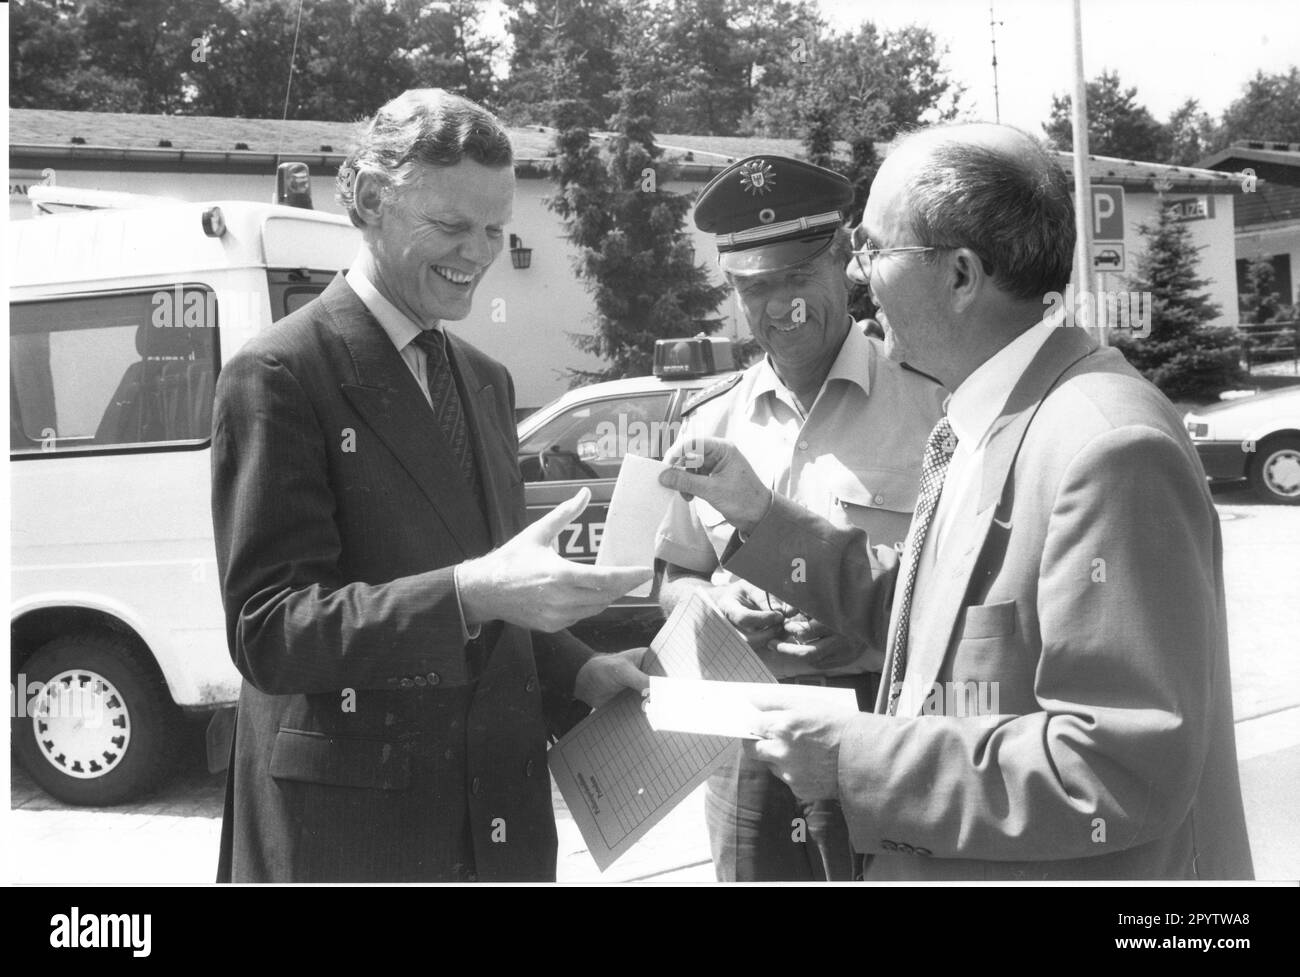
[(1108, 213)]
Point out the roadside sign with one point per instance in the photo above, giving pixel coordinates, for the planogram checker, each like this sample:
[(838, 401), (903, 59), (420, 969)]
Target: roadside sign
[(1108, 256), (1107, 214), (1192, 208)]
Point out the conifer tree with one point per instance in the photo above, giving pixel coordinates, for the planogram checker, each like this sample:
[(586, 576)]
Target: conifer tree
[(1183, 356), (634, 251)]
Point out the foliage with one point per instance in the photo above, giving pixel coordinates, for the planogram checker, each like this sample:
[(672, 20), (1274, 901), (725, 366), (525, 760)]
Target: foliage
[(633, 250), (1118, 125), (1268, 109), (233, 58)]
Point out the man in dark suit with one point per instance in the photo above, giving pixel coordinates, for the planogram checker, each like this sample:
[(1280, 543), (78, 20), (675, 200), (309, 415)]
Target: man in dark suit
[(1058, 703), (379, 583)]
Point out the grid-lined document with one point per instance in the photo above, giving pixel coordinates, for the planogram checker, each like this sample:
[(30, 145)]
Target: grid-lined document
[(618, 776)]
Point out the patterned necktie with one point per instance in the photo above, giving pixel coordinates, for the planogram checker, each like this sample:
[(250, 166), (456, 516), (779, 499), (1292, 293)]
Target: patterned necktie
[(938, 452), (447, 406)]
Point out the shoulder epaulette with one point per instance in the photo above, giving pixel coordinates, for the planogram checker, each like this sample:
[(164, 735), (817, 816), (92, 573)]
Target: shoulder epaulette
[(710, 392)]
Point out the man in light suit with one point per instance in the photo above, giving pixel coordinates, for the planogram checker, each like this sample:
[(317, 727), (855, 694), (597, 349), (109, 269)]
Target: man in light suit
[(378, 580), (1057, 700)]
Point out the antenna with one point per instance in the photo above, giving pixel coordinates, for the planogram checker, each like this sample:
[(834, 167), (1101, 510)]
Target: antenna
[(993, 39), (289, 84)]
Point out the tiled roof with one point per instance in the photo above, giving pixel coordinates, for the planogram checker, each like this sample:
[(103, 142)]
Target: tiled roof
[(123, 130), (200, 133), (1139, 175), (205, 133)]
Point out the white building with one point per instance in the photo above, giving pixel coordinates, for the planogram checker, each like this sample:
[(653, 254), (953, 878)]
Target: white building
[(522, 317)]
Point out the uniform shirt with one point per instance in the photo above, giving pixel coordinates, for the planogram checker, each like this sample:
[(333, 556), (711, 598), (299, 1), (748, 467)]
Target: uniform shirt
[(402, 331), (855, 459)]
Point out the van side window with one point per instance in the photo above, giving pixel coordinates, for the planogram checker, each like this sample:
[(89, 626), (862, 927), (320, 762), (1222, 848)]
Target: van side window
[(110, 370)]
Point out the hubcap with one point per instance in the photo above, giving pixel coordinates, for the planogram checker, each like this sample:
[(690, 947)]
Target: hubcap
[(1282, 472), (81, 724)]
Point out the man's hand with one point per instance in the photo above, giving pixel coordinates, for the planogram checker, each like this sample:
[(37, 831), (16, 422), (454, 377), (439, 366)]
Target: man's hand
[(605, 676), (801, 746), (745, 606), (720, 475), (525, 582), (807, 641)]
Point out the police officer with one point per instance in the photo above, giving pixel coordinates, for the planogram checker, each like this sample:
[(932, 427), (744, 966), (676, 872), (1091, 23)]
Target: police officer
[(799, 417)]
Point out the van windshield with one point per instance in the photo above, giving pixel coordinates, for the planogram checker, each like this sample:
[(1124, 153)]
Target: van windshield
[(292, 288)]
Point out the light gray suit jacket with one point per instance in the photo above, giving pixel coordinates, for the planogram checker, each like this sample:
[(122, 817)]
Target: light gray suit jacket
[(1069, 714)]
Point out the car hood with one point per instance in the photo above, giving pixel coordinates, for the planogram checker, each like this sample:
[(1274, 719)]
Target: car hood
[(1272, 402)]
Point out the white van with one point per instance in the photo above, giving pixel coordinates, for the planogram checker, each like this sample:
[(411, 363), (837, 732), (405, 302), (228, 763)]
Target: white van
[(120, 320)]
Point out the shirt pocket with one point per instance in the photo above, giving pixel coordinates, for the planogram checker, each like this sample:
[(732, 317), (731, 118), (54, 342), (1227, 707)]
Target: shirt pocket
[(878, 501), (892, 489)]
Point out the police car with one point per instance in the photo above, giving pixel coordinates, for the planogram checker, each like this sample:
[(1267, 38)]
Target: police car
[(582, 438), (1255, 438)]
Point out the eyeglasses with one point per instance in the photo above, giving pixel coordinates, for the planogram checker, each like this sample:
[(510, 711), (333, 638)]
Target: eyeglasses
[(864, 256)]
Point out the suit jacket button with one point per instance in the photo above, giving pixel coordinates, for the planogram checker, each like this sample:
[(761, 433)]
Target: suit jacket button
[(406, 683), (434, 678), (888, 845), (475, 785), (449, 754), (421, 681), (906, 849), (531, 685), (924, 851)]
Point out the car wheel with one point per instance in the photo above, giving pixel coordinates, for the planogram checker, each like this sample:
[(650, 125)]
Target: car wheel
[(1275, 470), (100, 728)]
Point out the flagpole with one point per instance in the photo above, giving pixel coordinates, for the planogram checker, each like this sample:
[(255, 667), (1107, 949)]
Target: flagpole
[(1082, 185)]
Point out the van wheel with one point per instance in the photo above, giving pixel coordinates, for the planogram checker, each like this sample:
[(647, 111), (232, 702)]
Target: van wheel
[(1275, 470), (100, 728)]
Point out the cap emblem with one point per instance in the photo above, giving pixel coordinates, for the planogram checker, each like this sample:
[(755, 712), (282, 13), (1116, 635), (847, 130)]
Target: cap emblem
[(757, 177)]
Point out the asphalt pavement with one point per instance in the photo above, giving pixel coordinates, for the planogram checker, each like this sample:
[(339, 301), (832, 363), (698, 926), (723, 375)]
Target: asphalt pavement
[(172, 837)]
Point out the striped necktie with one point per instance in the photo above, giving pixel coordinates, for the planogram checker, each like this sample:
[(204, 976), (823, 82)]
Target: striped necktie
[(934, 465), (447, 406)]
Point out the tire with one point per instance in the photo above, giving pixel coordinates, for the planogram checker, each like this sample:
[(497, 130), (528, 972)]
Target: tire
[(1274, 471), (110, 732)]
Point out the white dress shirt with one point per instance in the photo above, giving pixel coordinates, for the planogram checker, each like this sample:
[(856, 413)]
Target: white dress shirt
[(972, 409), (402, 331)]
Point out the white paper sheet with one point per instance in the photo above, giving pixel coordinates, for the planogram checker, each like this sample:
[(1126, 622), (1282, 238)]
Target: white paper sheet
[(618, 776), (727, 709), (635, 512)]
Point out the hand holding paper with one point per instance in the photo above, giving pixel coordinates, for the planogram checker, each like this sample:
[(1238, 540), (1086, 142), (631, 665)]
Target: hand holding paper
[(801, 743), (525, 582), (635, 511)]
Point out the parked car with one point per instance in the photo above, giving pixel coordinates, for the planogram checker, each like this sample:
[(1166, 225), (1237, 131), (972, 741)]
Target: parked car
[(582, 437), (1255, 438)]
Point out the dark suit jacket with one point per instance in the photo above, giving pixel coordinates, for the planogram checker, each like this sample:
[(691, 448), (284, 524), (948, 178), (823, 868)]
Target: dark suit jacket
[(361, 750), (1068, 707)]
